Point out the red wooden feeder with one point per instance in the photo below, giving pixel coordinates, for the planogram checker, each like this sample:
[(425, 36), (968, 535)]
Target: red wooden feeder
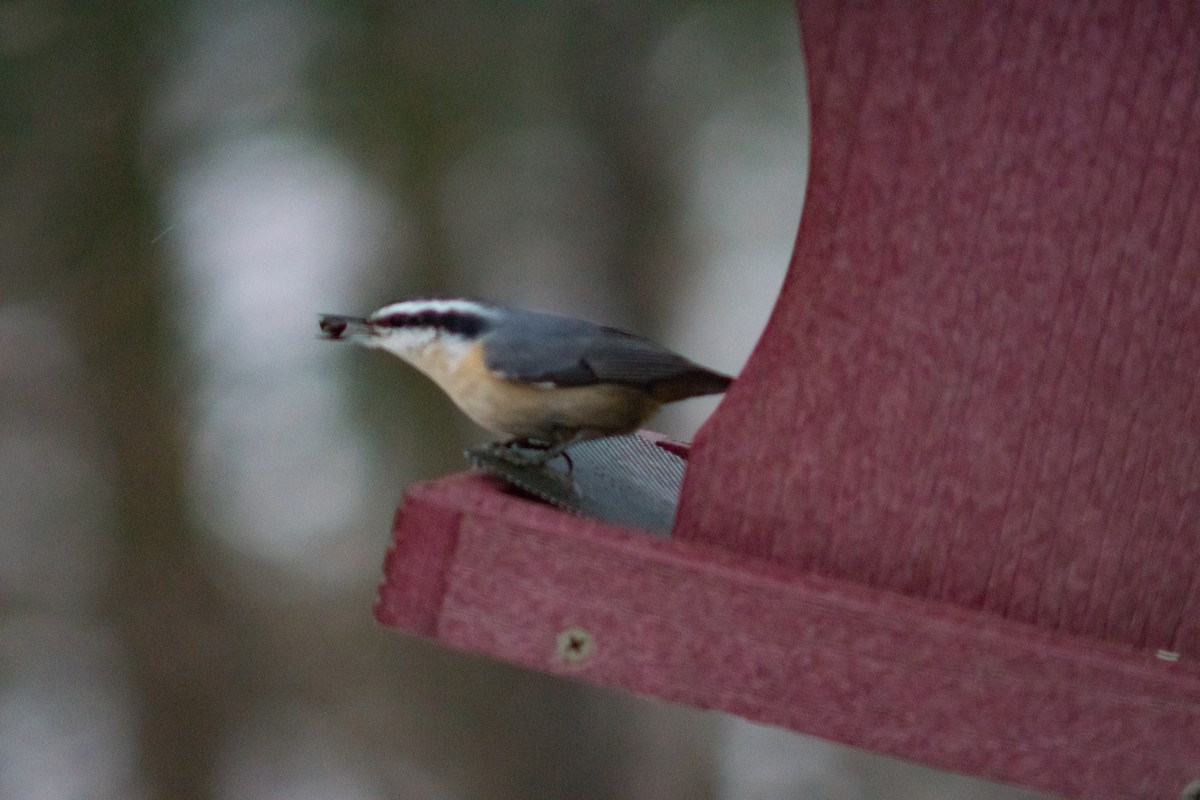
[(951, 509)]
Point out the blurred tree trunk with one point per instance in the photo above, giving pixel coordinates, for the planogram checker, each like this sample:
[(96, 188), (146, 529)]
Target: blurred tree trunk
[(79, 185)]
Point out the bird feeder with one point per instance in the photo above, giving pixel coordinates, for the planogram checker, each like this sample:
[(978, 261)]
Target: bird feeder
[(950, 511)]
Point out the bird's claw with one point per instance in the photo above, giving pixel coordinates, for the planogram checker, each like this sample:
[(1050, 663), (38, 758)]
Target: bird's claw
[(528, 453)]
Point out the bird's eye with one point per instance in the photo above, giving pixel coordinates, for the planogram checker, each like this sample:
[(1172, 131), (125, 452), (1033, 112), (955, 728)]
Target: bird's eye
[(459, 323)]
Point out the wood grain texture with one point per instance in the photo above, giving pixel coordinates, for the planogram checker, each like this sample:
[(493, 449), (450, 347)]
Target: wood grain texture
[(983, 367), (925, 680)]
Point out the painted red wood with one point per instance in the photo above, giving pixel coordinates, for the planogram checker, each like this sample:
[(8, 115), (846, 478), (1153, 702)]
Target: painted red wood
[(980, 384), (951, 509), (956, 688)]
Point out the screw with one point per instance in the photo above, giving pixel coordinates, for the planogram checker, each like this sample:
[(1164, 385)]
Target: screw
[(575, 645)]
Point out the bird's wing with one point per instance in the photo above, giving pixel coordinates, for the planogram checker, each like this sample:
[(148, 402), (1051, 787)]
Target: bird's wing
[(559, 351)]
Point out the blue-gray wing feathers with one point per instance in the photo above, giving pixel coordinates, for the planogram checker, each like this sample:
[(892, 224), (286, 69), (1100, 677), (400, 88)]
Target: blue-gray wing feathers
[(548, 349)]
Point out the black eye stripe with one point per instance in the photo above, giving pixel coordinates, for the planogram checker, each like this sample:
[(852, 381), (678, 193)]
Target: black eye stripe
[(456, 322)]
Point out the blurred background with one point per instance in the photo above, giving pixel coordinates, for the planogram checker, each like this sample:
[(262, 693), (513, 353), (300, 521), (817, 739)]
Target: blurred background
[(196, 493)]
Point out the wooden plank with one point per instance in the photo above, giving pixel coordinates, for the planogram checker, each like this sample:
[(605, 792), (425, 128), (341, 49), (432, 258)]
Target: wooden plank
[(964, 690)]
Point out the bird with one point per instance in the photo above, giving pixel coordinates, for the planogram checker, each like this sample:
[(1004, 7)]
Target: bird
[(542, 381)]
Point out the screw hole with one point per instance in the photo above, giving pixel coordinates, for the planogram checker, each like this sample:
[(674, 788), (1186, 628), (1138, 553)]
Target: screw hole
[(1191, 791), (575, 645)]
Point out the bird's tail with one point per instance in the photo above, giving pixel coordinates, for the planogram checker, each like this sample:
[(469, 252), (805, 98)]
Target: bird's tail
[(690, 383)]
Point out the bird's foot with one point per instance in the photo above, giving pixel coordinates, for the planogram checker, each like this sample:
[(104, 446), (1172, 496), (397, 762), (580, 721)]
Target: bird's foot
[(530, 452)]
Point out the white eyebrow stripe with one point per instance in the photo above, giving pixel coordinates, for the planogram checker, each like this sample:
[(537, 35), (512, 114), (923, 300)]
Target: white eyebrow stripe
[(436, 306)]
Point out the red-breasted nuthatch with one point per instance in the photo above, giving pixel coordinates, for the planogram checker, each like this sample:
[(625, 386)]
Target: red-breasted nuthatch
[(538, 379)]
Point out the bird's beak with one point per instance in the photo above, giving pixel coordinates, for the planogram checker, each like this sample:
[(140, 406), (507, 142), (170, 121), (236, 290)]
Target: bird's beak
[(337, 326)]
